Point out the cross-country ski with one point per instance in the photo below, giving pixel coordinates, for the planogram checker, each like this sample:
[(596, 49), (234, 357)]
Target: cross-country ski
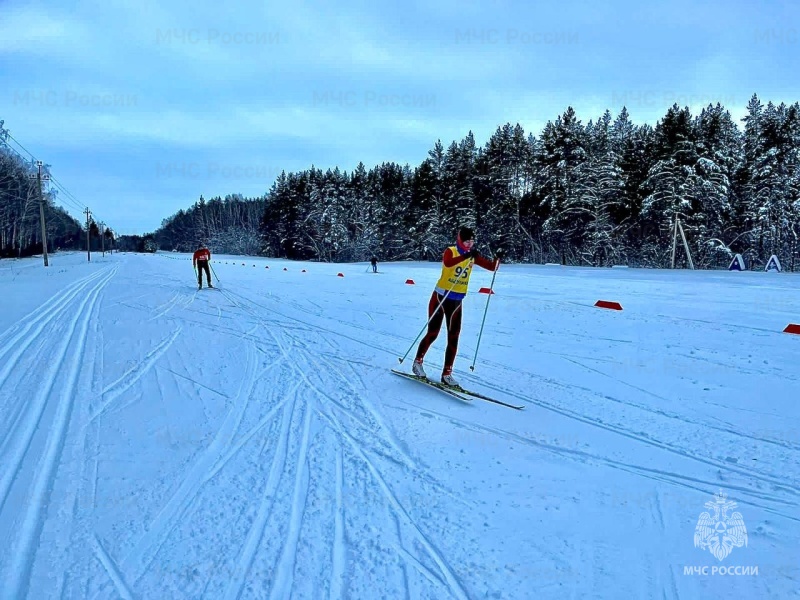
[(456, 391)]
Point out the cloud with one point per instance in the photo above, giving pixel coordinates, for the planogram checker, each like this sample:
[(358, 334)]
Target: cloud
[(239, 93), (26, 29)]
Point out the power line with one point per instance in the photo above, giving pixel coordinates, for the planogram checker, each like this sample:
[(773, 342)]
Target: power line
[(70, 198)]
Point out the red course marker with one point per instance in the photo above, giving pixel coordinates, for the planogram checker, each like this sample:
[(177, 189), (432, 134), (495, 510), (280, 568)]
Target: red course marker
[(607, 304)]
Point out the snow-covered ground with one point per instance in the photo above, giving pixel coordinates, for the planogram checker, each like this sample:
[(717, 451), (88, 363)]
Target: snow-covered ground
[(157, 441)]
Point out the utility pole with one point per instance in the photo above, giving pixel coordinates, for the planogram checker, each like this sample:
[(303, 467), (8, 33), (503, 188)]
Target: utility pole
[(88, 238), (679, 228), (686, 246), (38, 177), (674, 239)]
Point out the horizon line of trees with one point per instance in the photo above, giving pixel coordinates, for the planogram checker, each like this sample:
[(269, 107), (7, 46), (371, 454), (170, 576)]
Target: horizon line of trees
[(602, 193)]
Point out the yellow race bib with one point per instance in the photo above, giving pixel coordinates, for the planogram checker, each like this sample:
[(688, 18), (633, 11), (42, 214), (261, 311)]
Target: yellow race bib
[(455, 278)]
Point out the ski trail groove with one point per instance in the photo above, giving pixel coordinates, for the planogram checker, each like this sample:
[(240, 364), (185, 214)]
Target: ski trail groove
[(237, 446), (388, 436), (454, 585), (38, 319), (24, 433), (111, 568), (677, 417), (648, 472), (256, 532), (284, 575), (339, 548), (121, 385), (195, 382), (794, 488), (24, 555), (165, 308), (53, 309), (146, 549)]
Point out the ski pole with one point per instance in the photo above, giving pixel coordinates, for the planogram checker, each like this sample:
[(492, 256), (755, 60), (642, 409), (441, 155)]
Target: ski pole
[(213, 271), (485, 310), (424, 327), (195, 271)]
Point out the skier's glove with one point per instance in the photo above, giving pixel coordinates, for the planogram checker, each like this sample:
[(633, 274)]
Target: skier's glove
[(473, 253), (499, 254)]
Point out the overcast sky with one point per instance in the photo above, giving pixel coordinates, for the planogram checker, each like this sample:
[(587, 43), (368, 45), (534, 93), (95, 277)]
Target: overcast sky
[(141, 108)]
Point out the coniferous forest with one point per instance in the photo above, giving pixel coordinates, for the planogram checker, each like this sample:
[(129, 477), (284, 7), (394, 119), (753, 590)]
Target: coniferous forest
[(601, 193)]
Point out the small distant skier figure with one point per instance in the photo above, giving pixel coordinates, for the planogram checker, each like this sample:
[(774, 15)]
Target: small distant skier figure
[(200, 260), (446, 300), (374, 262)]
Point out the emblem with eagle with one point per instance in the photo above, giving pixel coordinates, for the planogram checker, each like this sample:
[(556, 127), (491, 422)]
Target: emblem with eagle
[(720, 533)]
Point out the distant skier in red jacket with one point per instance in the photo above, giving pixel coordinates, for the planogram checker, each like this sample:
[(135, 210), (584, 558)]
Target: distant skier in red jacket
[(200, 260), (446, 300)]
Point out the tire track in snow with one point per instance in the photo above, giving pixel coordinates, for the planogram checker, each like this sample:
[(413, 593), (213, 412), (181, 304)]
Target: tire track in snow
[(31, 526)]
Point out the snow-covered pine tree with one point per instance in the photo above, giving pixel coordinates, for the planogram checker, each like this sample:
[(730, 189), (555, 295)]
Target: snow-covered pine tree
[(503, 181), (718, 148), (601, 191), (561, 154), (772, 191)]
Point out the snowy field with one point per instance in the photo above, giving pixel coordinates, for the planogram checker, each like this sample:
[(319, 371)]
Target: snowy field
[(157, 441)]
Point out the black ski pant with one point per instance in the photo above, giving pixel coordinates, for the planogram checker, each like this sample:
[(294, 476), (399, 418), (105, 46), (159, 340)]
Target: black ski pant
[(451, 309), (202, 265)]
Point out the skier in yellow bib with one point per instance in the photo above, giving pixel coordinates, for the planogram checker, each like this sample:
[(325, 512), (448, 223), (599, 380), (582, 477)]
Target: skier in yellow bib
[(446, 300)]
